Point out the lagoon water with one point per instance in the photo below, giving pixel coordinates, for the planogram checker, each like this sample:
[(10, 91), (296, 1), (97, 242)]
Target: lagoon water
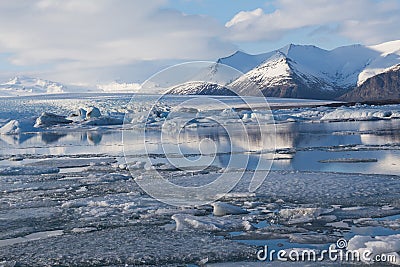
[(300, 146)]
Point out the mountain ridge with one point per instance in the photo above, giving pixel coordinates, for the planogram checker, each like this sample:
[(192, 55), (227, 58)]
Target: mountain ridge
[(316, 72)]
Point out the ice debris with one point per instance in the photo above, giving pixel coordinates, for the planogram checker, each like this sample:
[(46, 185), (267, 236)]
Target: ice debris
[(302, 215), (27, 170), (222, 209), (93, 112), (11, 127), (50, 119), (187, 221), (378, 245)]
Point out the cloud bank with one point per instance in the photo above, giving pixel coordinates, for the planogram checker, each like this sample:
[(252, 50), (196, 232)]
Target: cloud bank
[(363, 21), (79, 35), (104, 40)]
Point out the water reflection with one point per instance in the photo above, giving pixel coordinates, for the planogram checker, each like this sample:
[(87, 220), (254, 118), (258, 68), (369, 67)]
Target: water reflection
[(301, 145), (49, 138)]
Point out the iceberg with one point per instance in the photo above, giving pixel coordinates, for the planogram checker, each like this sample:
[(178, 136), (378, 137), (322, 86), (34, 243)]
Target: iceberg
[(50, 119), (11, 127), (222, 209)]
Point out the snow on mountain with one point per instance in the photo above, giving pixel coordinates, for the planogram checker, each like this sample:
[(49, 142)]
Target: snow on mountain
[(199, 88), (280, 76), (383, 86), (388, 56), (21, 85), (243, 61), (274, 71), (310, 71)]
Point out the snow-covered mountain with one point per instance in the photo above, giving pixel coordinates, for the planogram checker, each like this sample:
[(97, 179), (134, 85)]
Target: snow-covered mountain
[(243, 61), (22, 85), (296, 71), (383, 86), (306, 71), (280, 76), (199, 88)]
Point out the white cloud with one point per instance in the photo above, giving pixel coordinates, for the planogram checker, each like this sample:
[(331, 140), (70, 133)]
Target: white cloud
[(365, 21), (245, 17), (75, 36)]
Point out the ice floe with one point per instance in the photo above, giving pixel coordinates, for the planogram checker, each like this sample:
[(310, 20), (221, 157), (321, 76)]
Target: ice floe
[(378, 245), (12, 127), (49, 119), (222, 209), (360, 113), (93, 112), (27, 170), (186, 221), (302, 215)]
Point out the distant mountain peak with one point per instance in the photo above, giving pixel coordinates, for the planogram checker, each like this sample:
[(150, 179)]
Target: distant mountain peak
[(24, 85)]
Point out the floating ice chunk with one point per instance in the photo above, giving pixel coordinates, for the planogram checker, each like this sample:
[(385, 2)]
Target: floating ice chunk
[(93, 112), (303, 238), (12, 127), (172, 211), (103, 121), (301, 215), (16, 158), (137, 165), (261, 116), (82, 113), (327, 218), (82, 189), (122, 166), (50, 119), (78, 230), (222, 209), (229, 114), (378, 245), (187, 221), (188, 110), (357, 113), (233, 195), (349, 160), (27, 170)]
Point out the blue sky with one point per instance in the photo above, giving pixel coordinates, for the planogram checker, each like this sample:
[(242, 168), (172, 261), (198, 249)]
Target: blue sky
[(98, 41)]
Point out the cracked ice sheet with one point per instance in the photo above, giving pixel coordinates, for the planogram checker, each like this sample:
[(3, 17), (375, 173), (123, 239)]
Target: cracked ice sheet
[(315, 187), (134, 245)]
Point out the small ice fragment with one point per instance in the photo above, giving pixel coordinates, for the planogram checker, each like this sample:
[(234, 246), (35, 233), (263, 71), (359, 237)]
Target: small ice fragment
[(82, 113), (78, 230), (301, 215), (82, 189), (222, 209), (327, 218), (16, 158), (137, 165), (11, 127), (248, 226), (93, 112), (122, 166)]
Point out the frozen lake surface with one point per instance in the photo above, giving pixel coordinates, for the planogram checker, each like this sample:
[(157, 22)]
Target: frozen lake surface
[(67, 197)]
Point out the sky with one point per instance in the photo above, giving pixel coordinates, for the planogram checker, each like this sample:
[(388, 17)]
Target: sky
[(99, 41)]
